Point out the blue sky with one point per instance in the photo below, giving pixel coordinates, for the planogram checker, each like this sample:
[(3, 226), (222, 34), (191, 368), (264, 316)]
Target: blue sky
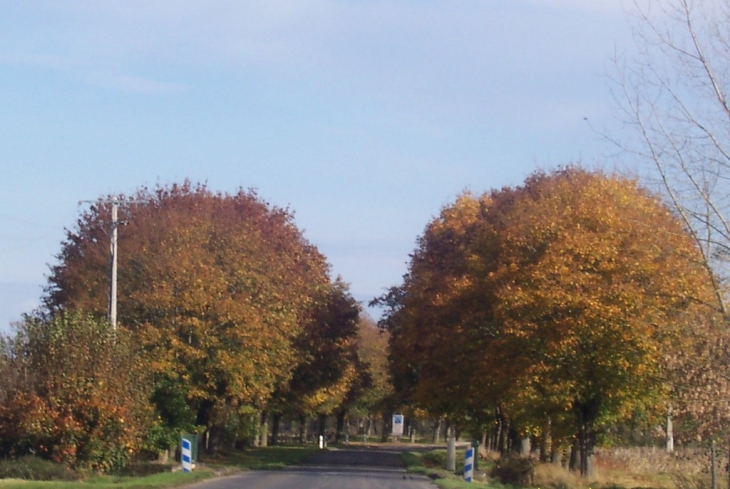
[(364, 117)]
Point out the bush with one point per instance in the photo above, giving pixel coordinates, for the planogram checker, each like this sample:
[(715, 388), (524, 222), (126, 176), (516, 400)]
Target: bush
[(38, 469), (514, 471), (83, 397)]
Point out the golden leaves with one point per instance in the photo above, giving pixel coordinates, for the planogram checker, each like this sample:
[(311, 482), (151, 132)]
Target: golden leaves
[(567, 288)]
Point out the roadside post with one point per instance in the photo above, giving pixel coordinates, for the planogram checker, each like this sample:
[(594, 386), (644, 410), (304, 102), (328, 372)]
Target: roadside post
[(469, 464), (451, 450), (186, 455)]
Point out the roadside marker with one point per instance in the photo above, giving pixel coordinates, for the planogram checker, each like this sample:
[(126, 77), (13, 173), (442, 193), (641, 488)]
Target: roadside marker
[(469, 465), (187, 455)]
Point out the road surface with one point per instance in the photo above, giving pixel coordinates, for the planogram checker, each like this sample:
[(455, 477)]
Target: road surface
[(372, 468)]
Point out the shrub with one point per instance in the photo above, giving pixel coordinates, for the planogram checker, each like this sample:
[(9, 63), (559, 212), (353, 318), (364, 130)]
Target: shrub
[(514, 471), (82, 398), (33, 468)]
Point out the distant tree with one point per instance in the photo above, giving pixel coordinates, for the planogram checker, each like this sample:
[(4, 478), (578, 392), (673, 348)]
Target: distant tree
[(438, 321), (216, 287), (328, 368), (372, 346), (78, 393)]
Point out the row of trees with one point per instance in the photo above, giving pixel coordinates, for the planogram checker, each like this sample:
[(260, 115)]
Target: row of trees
[(228, 318), (555, 308)]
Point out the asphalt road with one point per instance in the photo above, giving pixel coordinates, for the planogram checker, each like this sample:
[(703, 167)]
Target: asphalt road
[(367, 468)]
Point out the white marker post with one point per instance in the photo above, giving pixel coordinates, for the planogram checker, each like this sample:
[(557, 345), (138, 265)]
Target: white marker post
[(469, 465), (186, 455)]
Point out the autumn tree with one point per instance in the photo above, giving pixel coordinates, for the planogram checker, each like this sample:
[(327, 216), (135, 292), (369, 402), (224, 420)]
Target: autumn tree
[(559, 296), (372, 347), (329, 373), (216, 287), (596, 275), (75, 392)]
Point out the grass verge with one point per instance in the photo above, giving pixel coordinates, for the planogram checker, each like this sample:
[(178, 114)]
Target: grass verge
[(249, 459), (157, 481), (431, 464)]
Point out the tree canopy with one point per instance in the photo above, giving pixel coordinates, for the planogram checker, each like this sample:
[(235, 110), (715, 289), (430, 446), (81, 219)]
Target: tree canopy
[(215, 287), (559, 296)]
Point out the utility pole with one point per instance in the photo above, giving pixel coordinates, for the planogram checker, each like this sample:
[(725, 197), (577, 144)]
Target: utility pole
[(112, 303), (112, 313)]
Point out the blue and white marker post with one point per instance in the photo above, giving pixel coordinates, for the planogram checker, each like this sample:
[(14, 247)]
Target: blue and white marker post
[(186, 455), (469, 464)]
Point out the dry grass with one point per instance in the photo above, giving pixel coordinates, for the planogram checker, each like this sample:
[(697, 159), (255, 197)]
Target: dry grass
[(653, 467), (642, 460), (634, 468)]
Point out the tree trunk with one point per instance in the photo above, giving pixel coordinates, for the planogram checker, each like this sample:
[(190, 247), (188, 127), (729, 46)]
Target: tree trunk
[(504, 435), (497, 437), (587, 413), (387, 422), (263, 429), (322, 425), (437, 431), (525, 446), (275, 424), (545, 443), (670, 432), (556, 455), (302, 429), (340, 426), (574, 460), (214, 439)]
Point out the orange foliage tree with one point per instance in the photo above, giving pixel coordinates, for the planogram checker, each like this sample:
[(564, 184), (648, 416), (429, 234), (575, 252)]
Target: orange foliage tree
[(372, 346), (433, 346), (216, 287), (329, 373), (556, 300)]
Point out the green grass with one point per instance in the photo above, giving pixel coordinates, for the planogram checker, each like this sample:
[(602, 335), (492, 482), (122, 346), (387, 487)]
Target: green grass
[(157, 481), (432, 464), (248, 459)]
